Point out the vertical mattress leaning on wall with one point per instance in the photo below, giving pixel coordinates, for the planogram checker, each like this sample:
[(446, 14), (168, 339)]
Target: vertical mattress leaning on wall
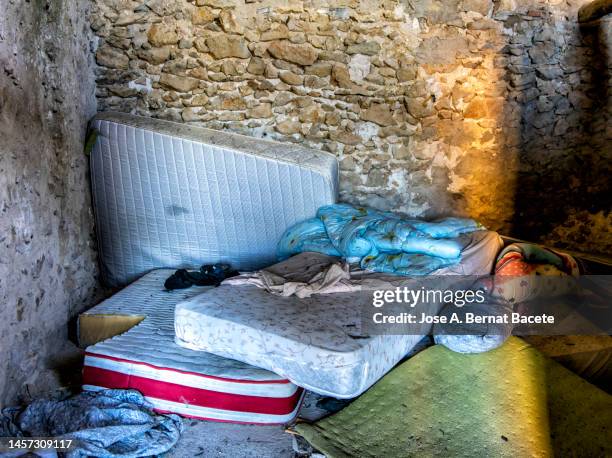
[(171, 195)]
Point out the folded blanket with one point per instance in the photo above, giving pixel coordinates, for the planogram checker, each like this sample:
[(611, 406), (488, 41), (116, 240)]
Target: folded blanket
[(476, 338), (379, 241)]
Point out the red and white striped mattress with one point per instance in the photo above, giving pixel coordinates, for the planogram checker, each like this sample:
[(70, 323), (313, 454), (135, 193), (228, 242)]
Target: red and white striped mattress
[(176, 379)]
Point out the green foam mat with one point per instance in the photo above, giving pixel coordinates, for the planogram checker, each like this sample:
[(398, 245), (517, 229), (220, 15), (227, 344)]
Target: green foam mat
[(512, 401)]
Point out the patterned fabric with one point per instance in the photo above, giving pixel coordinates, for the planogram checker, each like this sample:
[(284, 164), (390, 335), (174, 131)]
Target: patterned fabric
[(526, 271), (527, 258), (523, 272), (379, 241)]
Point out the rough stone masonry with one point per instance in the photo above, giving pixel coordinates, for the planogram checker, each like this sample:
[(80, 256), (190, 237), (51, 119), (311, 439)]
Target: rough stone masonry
[(494, 109)]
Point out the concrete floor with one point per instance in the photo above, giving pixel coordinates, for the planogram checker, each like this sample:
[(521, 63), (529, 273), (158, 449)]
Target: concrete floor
[(211, 439)]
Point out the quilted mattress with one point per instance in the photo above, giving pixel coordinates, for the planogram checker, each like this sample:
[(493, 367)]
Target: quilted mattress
[(315, 342), (172, 195), (175, 379)]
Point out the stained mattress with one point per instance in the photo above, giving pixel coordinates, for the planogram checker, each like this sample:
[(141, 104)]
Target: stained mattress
[(509, 402), (316, 342), (172, 195), (172, 378)]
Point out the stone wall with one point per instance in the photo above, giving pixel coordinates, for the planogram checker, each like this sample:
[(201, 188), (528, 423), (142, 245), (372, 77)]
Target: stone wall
[(47, 262), (492, 109), (588, 223)]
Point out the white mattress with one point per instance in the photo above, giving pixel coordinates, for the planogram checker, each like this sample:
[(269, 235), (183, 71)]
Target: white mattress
[(315, 342), (172, 195), (152, 340), (198, 380)]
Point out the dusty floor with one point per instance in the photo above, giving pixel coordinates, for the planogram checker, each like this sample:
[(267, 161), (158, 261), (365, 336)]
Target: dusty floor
[(210, 439)]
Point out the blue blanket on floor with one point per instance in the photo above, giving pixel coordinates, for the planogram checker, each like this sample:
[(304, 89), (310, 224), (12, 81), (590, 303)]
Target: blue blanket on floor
[(379, 241), (103, 424)]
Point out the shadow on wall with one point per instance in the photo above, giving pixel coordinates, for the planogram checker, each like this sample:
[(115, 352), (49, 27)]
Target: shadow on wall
[(559, 72)]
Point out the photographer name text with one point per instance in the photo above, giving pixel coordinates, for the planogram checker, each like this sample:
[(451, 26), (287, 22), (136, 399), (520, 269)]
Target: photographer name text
[(467, 318)]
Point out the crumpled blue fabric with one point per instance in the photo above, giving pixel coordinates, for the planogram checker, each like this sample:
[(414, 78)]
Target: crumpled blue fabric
[(405, 263), (379, 241), (104, 424), (308, 235)]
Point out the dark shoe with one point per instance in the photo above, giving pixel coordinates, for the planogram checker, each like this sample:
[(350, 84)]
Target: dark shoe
[(178, 280), (208, 275)]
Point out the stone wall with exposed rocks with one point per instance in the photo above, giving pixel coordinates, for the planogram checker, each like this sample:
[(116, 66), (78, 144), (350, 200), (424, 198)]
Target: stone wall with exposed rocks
[(493, 109)]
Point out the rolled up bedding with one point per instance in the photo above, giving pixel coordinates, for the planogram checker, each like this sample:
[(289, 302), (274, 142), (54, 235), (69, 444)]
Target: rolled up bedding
[(523, 272)]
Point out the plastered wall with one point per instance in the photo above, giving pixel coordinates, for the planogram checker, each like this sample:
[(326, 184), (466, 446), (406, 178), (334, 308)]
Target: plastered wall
[(47, 260)]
